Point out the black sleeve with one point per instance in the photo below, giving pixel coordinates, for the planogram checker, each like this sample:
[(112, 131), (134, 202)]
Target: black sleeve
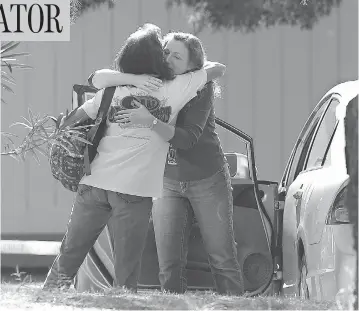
[(193, 120)]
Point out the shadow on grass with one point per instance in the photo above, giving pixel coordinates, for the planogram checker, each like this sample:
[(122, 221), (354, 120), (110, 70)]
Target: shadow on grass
[(31, 294), (27, 292)]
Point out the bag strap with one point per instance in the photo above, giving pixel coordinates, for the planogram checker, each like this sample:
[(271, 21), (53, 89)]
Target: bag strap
[(101, 117)]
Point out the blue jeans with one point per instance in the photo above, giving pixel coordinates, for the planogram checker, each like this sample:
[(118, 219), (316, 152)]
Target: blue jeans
[(91, 212), (211, 201)]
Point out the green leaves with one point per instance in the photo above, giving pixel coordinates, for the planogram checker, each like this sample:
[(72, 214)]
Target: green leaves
[(8, 46), (8, 63), (79, 7), (43, 132), (242, 15), (249, 15)]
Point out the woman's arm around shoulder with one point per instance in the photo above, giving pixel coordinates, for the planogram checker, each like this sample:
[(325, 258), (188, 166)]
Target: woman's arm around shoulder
[(184, 87), (106, 78)]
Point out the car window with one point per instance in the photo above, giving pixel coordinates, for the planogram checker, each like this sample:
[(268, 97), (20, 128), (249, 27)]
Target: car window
[(322, 138), (297, 164), (336, 153), (329, 154), (233, 144)]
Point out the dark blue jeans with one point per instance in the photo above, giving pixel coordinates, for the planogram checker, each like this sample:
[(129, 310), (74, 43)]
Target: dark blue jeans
[(211, 202), (91, 211)]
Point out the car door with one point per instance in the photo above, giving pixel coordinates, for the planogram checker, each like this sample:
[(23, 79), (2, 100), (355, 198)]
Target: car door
[(328, 174), (322, 184), (295, 192), (253, 224)]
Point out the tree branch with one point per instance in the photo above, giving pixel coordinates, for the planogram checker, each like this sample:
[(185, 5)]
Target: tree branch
[(249, 15)]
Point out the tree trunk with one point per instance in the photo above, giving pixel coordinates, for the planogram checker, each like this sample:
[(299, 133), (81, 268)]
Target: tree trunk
[(351, 151)]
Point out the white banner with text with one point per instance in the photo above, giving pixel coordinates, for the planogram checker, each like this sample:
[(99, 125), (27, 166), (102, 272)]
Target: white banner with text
[(35, 20)]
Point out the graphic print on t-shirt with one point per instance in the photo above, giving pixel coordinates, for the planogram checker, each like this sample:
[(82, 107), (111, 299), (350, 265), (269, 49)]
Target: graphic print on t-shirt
[(155, 106)]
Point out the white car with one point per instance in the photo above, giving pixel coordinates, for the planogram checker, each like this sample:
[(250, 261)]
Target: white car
[(318, 255)]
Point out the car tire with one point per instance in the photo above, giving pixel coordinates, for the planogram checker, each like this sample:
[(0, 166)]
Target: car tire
[(303, 290)]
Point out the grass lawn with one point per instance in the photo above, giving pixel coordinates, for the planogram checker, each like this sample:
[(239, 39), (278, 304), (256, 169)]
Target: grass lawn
[(25, 294)]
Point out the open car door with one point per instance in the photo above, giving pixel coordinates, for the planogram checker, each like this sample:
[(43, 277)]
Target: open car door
[(257, 226)]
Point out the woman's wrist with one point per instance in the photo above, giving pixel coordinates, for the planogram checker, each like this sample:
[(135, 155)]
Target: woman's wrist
[(164, 130)]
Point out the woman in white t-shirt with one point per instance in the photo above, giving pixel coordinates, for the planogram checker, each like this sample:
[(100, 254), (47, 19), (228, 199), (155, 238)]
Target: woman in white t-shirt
[(128, 169), (197, 189)]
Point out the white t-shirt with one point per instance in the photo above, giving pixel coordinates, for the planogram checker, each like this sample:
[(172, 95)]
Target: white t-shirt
[(132, 160)]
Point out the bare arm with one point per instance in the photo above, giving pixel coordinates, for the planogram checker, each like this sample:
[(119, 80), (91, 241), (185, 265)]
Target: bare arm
[(106, 78), (193, 120), (182, 137), (186, 136), (142, 116), (164, 130)]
